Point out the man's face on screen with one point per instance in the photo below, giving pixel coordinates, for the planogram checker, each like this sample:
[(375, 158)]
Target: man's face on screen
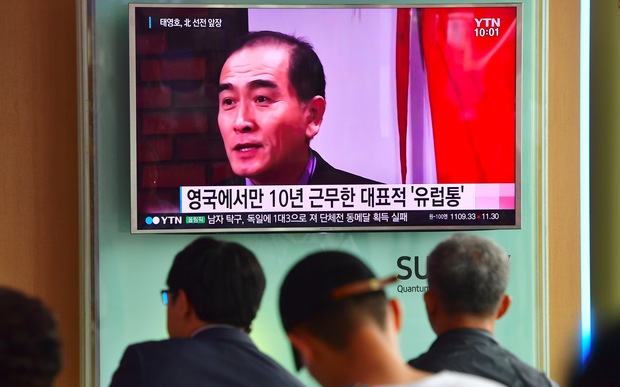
[(266, 129)]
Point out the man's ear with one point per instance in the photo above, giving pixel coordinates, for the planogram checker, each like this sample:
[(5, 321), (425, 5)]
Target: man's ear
[(315, 109), (433, 309), (182, 304), (396, 309), (430, 301), (504, 304), (302, 345)]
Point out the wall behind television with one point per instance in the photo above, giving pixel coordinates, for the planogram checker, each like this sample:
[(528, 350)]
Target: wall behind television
[(132, 268)]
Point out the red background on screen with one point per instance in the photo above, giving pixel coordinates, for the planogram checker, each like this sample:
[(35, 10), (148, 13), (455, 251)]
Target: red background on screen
[(472, 81)]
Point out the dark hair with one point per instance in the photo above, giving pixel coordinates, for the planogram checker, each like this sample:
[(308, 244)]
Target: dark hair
[(469, 274), (335, 324), (307, 296), (29, 343), (306, 73), (223, 281)]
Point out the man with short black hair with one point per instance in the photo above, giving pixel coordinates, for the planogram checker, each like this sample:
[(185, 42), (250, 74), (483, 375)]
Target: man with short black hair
[(271, 105), (344, 329), (214, 292), (29, 342), (467, 279)]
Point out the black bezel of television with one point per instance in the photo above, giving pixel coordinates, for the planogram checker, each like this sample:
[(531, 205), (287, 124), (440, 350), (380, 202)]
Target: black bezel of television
[(423, 100)]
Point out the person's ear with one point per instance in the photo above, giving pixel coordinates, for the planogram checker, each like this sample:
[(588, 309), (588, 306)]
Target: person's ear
[(504, 304), (315, 109), (430, 301), (303, 346), (396, 310), (182, 304)]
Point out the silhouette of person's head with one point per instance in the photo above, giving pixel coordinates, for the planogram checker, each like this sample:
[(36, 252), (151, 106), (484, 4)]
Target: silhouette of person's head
[(29, 342)]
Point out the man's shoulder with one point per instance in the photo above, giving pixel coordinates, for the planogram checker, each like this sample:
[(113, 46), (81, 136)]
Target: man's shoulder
[(219, 358), (155, 344), (478, 353), (325, 173), (451, 378), (162, 348), (456, 345), (206, 340)]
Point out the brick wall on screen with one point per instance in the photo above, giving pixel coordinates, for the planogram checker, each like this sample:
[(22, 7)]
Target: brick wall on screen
[(177, 74)]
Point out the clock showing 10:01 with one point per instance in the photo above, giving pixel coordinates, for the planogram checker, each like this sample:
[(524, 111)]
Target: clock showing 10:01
[(487, 26)]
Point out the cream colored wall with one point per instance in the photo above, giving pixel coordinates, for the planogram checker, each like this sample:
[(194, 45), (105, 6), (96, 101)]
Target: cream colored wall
[(605, 160), (563, 187), (38, 162)]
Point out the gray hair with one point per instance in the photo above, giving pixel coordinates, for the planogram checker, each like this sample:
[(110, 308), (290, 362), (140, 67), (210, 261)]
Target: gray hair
[(469, 273)]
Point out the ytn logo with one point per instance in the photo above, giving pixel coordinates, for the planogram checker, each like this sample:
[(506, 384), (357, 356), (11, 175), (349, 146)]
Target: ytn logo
[(163, 220), (487, 22), (410, 268)]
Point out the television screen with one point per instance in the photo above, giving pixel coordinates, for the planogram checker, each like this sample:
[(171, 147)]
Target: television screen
[(324, 118)]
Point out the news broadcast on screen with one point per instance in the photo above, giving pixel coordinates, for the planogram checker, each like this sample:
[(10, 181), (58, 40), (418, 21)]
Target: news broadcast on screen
[(324, 118)]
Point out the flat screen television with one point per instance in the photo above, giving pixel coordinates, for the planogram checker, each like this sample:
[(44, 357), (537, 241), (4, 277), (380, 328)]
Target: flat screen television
[(418, 128)]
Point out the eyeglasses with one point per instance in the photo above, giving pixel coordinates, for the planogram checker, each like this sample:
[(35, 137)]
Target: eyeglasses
[(165, 296)]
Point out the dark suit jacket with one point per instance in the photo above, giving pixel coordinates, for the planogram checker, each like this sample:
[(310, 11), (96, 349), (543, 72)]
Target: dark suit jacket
[(475, 351), (215, 357), (324, 174)]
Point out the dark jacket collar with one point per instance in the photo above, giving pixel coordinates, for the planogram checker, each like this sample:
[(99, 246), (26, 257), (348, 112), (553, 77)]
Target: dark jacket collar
[(469, 333), (223, 332)]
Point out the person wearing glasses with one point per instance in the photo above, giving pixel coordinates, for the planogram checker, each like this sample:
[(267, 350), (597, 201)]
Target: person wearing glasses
[(344, 329), (214, 291)]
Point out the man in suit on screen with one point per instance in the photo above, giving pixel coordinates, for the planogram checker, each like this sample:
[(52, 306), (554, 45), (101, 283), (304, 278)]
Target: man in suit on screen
[(271, 105), (214, 291)]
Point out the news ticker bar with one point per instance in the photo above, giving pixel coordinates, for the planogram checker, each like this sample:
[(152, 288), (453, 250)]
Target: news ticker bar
[(332, 220)]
